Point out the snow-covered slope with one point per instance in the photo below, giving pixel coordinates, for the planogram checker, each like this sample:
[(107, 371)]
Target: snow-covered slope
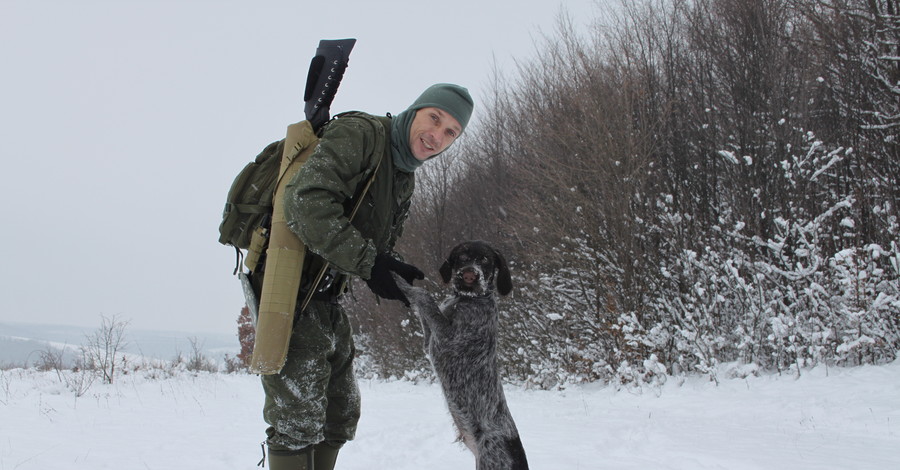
[(825, 419)]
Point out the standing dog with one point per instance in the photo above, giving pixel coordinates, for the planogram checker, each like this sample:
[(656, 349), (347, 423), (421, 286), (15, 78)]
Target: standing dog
[(461, 342)]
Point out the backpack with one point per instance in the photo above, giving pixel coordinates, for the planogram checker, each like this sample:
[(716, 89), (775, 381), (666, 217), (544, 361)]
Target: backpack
[(249, 203)]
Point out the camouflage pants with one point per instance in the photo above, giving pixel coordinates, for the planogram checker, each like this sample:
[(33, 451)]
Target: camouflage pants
[(315, 398)]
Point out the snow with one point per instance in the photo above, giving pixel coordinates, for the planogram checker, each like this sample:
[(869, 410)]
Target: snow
[(729, 156), (824, 419)]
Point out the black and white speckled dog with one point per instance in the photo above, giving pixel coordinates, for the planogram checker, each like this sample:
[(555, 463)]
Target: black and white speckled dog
[(461, 342)]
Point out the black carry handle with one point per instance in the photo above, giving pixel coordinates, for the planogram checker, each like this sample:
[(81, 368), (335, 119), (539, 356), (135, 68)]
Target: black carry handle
[(325, 73)]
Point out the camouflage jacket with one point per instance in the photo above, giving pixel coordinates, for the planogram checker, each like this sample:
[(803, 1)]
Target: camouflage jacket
[(321, 197)]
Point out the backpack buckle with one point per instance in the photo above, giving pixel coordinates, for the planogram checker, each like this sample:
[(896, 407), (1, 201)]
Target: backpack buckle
[(327, 281)]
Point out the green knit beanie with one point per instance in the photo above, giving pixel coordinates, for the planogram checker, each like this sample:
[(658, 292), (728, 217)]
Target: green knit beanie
[(453, 99)]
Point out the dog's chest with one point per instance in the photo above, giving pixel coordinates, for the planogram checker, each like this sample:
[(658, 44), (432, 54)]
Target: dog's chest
[(471, 332)]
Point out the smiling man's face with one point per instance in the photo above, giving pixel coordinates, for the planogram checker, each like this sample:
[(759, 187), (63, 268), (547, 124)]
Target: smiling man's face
[(431, 132)]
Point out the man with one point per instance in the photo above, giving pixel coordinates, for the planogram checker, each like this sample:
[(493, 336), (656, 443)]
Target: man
[(312, 406)]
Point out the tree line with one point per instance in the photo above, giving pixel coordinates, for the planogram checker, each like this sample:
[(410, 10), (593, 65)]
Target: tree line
[(682, 185)]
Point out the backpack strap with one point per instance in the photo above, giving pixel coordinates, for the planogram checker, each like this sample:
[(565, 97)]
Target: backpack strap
[(249, 208), (238, 258)]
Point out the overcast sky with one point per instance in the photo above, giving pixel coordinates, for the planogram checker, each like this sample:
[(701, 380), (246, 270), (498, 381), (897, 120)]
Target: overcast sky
[(123, 123)]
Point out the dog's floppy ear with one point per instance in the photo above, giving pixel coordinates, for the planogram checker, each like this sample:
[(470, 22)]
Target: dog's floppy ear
[(504, 280), (446, 271)]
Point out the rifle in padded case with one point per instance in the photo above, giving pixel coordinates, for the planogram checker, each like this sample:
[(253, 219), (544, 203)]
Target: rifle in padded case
[(273, 312)]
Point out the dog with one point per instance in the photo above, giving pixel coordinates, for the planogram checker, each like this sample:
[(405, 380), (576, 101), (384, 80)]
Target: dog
[(461, 343)]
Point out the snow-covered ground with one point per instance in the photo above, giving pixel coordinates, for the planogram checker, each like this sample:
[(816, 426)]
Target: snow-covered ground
[(825, 419)]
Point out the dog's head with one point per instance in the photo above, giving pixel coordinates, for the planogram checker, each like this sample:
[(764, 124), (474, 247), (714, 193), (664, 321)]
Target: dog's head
[(475, 267)]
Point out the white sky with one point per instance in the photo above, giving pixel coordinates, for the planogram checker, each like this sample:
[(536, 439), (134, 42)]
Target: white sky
[(123, 123)]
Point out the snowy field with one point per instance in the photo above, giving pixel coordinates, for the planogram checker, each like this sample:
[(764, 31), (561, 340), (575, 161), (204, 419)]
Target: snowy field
[(826, 419)]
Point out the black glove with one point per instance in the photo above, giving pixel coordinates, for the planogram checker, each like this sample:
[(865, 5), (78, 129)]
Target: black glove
[(382, 282)]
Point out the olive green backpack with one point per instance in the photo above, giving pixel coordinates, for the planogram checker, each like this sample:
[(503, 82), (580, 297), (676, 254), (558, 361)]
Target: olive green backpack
[(249, 204), (249, 201)]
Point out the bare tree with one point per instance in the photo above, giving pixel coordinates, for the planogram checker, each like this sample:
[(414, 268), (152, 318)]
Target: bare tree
[(198, 361), (51, 358), (694, 181), (104, 347), (79, 379)]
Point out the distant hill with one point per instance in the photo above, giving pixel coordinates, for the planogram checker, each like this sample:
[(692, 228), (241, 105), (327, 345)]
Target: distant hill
[(22, 343)]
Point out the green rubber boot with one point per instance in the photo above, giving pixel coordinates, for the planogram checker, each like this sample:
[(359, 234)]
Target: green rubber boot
[(324, 456), (291, 459)]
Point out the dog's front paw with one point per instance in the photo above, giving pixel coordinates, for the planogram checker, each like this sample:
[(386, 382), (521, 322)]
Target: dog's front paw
[(410, 291), (403, 284)]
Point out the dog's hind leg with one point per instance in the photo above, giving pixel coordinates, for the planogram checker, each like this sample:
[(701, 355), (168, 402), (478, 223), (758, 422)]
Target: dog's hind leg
[(498, 452), (464, 435), (492, 454), (517, 453)]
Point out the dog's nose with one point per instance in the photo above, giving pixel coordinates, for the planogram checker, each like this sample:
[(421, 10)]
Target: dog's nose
[(469, 276)]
